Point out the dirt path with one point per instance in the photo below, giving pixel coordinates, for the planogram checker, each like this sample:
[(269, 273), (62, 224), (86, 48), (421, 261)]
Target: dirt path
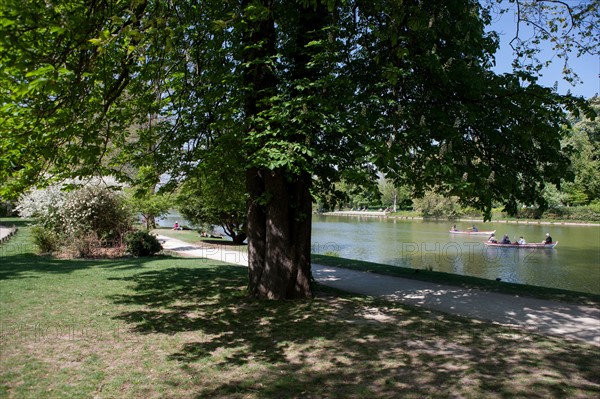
[(535, 315)]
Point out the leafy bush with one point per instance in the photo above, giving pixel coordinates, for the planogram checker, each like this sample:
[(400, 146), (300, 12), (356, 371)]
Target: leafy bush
[(46, 240), (583, 213), (529, 213), (142, 243), (97, 210), (594, 206), (6, 209), (87, 219), (436, 205)]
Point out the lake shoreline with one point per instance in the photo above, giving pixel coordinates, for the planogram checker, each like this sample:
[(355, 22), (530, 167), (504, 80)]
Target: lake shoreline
[(387, 215)]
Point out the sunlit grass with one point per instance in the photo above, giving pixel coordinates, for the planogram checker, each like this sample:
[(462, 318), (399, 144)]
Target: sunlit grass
[(168, 327), (193, 237)]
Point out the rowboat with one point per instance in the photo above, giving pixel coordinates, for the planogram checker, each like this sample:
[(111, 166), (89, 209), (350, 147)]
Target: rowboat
[(473, 233), (533, 245)]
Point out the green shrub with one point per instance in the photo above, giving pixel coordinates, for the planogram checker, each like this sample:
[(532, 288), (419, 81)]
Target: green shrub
[(580, 213), (6, 209), (46, 240), (594, 206), (141, 243)]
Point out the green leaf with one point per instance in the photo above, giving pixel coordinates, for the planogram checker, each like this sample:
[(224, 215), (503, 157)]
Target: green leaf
[(40, 71)]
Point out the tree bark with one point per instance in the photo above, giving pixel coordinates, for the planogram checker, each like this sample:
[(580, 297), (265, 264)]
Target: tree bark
[(279, 235)]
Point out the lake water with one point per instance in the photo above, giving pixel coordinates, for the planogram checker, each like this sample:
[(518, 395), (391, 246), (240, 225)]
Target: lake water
[(170, 219), (574, 264)]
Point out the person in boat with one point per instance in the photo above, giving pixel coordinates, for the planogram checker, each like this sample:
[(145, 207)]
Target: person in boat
[(492, 238), (521, 241), (176, 226), (474, 228), (548, 239), (454, 228), (505, 239)]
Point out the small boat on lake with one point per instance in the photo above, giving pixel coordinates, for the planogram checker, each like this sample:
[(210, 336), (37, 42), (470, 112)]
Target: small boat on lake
[(473, 233), (534, 245)]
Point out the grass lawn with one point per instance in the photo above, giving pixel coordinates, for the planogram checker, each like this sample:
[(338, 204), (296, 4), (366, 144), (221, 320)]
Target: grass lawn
[(168, 327)]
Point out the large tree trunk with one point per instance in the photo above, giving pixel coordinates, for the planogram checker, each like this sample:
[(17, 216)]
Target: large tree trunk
[(279, 233)]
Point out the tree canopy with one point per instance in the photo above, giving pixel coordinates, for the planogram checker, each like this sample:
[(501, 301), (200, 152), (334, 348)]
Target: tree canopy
[(308, 91)]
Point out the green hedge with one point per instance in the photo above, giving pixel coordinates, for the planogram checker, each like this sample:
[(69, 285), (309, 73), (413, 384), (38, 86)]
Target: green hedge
[(141, 243), (587, 213)]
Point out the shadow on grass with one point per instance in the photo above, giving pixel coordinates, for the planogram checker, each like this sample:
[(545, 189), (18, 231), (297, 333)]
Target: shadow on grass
[(234, 332), (221, 242), (30, 266), (195, 238), (18, 259), (228, 345), (341, 346)]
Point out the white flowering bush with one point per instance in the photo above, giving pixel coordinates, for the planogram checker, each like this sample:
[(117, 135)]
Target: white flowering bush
[(98, 210), (88, 217), (44, 204)]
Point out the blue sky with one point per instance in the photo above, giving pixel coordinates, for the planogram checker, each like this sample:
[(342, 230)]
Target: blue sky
[(587, 67)]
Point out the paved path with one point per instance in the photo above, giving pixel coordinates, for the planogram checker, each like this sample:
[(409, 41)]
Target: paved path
[(536, 315), (4, 232)]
